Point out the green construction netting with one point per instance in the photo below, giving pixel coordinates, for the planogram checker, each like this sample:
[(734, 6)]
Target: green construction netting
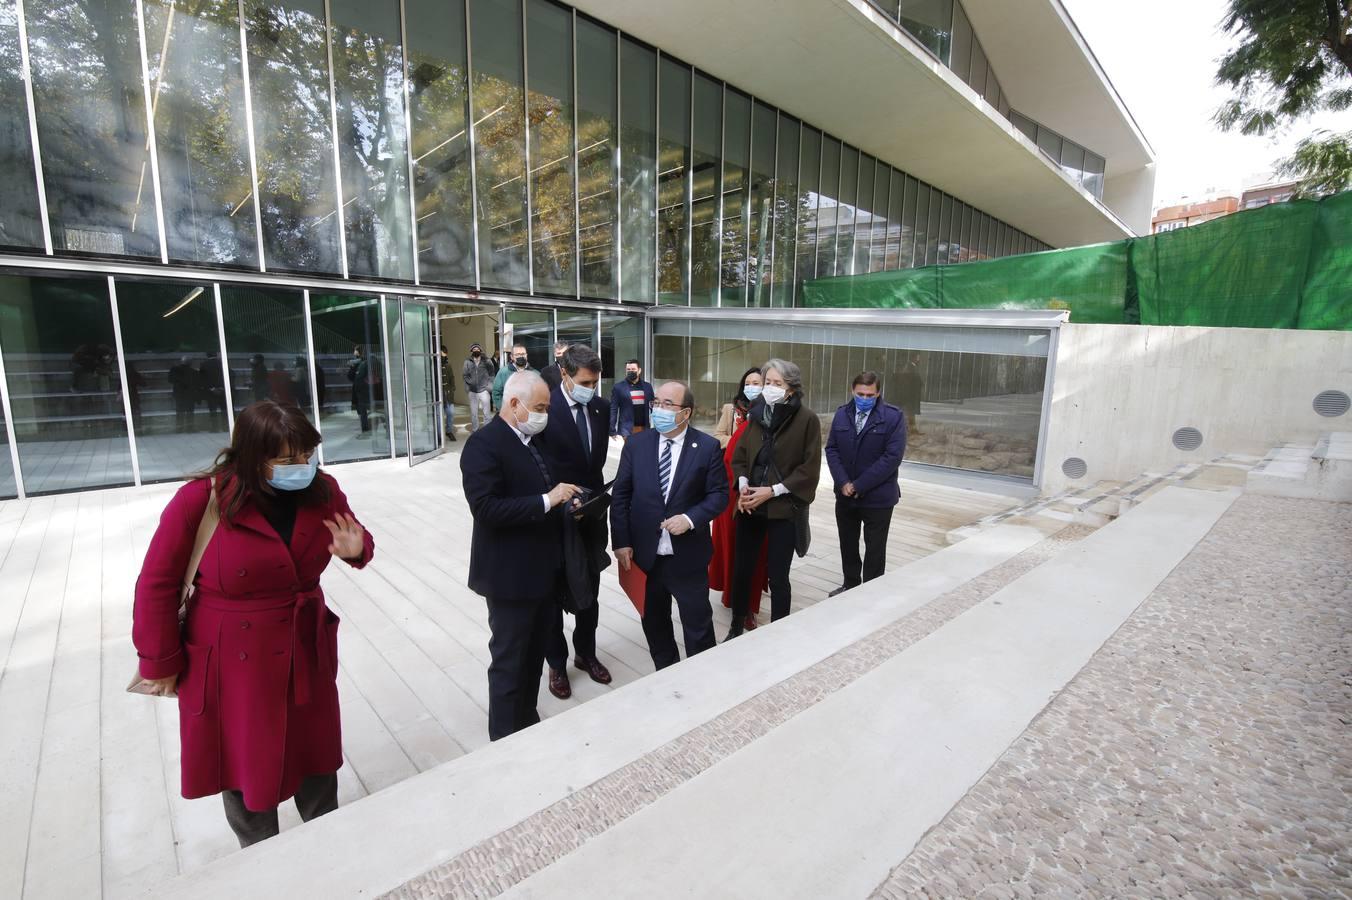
[(1288, 265)]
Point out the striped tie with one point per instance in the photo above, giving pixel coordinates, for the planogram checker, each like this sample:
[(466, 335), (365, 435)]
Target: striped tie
[(664, 468)]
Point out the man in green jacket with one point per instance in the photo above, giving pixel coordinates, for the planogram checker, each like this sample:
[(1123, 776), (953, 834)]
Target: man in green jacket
[(519, 363)]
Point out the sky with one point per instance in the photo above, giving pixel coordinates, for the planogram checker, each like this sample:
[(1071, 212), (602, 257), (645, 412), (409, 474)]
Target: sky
[(1161, 56)]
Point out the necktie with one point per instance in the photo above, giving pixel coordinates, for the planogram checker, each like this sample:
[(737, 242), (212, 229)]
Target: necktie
[(540, 462), (582, 428), (859, 419), (664, 468)]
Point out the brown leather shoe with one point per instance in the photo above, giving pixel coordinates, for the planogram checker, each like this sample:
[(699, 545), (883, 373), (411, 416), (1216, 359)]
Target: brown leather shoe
[(558, 684), (593, 667), (750, 623)]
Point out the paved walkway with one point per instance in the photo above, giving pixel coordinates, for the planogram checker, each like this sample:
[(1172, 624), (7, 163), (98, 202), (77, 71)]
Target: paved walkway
[(1204, 751), (90, 774)]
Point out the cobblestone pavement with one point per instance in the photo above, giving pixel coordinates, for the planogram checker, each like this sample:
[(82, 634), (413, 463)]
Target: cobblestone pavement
[(493, 866), (1204, 751)]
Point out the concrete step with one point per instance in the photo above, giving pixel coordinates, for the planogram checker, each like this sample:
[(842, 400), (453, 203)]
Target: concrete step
[(1322, 471), (827, 803)]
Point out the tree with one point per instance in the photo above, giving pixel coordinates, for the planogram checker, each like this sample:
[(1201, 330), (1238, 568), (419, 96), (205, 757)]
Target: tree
[(1294, 59)]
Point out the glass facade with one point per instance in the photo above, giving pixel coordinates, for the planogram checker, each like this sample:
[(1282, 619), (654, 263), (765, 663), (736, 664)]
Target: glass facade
[(1083, 166), (597, 158), (638, 172), (549, 41), (972, 396)]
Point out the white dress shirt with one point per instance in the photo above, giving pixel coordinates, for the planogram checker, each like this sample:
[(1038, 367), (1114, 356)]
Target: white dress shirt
[(525, 439), (677, 445)]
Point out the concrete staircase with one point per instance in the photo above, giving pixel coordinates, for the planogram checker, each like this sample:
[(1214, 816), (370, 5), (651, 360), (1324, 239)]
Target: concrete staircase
[(1322, 471)]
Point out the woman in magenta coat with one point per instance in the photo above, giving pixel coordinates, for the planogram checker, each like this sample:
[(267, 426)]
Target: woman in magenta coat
[(255, 665)]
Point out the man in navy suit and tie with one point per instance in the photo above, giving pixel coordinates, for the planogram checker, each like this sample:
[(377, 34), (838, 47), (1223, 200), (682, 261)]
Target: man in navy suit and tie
[(576, 444), (515, 561), (864, 451), (670, 487)]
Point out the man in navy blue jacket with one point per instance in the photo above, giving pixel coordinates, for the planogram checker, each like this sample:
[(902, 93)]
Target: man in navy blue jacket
[(629, 402), (864, 451), (670, 487), (576, 444), (515, 561)]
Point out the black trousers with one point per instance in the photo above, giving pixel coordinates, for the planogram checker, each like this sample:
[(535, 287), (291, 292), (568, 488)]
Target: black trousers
[(317, 794), (691, 590), (781, 538), (584, 636), (875, 523), (519, 630)]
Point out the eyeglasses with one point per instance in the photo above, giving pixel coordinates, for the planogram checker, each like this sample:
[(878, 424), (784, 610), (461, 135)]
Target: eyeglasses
[(666, 404)]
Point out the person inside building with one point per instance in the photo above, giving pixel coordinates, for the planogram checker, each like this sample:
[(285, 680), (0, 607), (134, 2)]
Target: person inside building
[(211, 379), (575, 445), (777, 464), (515, 558), (863, 452), (520, 363), (477, 373), (254, 665), (629, 402), (359, 373), (258, 377), (183, 385), (731, 422), (551, 373), (671, 484), (447, 392)]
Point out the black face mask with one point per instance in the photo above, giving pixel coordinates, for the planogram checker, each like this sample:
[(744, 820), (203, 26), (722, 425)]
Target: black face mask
[(476, 354), (520, 362), (632, 378)]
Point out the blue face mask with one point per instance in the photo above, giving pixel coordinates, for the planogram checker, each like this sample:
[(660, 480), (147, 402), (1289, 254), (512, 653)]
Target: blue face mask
[(751, 392), (664, 420), (294, 478), (864, 404), (583, 394)]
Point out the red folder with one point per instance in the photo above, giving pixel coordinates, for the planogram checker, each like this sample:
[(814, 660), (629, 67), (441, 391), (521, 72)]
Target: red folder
[(635, 584)]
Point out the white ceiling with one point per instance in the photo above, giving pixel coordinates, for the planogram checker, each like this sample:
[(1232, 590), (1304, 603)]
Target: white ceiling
[(841, 66)]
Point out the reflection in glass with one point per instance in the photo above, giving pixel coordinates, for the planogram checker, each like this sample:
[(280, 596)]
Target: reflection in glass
[(892, 246), (197, 104), (9, 485), (945, 226), (932, 235), (424, 376), (848, 212), (1072, 161), (881, 182), (930, 21), (577, 327), (706, 167), (673, 177), (368, 79), (20, 222), (976, 78), (960, 55), (597, 171), (549, 40), (265, 344), (786, 211), (173, 358), (395, 394), (289, 81), (89, 102), (621, 341), (863, 217), (736, 162), (65, 389), (828, 210), (439, 115), (638, 171), (500, 144), (906, 258), (1093, 174), (760, 205), (535, 329), (922, 235), (349, 376), (809, 183)]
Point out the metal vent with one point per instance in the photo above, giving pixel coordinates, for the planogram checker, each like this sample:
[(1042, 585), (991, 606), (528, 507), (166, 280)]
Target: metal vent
[(1187, 438), (1332, 404), (1074, 467)]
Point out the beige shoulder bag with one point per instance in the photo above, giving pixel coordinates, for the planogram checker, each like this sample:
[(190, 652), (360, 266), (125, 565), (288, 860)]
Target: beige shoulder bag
[(211, 517)]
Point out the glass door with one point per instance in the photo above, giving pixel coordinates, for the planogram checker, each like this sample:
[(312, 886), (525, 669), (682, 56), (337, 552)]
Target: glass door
[(422, 377)]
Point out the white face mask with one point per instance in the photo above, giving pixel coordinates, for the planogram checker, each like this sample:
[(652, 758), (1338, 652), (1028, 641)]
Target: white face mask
[(772, 394), (534, 424)]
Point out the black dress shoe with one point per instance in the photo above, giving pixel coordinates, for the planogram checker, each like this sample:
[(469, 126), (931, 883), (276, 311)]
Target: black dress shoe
[(558, 684), (842, 589), (735, 630), (594, 667)]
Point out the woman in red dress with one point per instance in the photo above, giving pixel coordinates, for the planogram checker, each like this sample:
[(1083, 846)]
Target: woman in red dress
[(730, 426)]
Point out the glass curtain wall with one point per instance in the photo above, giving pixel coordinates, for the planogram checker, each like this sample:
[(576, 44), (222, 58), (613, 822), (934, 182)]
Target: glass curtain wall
[(736, 173), (396, 388), (597, 157), (438, 100), (172, 348), (422, 373), (847, 212), (348, 376), (549, 68), (264, 339), (706, 186), (786, 212), (972, 396), (621, 341), (638, 172), (864, 215), (20, 220), (65, 383), (760, 205), (828, 208), (809, 204), (576, 327), (534, 329), (196, 72), (673, 184)]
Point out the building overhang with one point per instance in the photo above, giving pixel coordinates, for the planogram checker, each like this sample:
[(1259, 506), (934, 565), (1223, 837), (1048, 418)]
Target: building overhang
[(841, 65)]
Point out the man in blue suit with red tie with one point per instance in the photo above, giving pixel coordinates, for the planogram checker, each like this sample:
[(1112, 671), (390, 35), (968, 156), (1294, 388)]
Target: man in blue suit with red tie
[(670, 487)]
